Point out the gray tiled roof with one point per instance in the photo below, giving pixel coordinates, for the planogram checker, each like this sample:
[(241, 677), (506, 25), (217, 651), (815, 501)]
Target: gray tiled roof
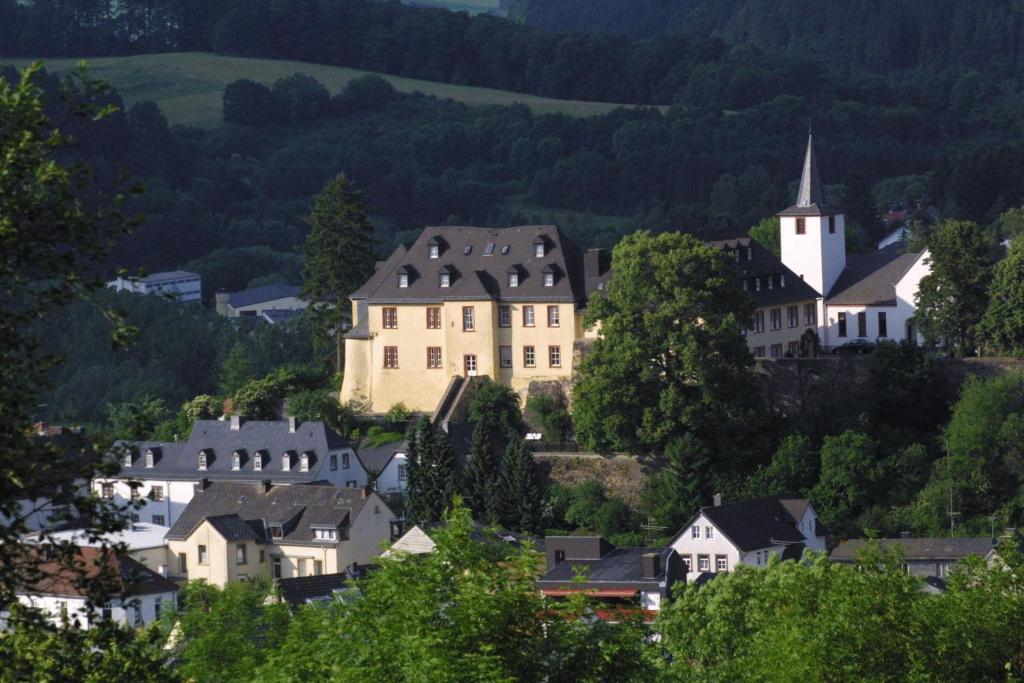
[(303, 589), (620, 566), (234, 528), (376, 458), (919, 548), (298, 509), (870, 279), (258, 295), (169, 275), (479, 259), (179, 460)]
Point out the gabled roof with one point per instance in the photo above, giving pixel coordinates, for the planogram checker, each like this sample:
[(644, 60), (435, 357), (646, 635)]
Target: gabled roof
[(751, 524), (298, 509), (155, 278), (305, 589), (258, 295), (761, 264), (178, 460), (949, 549), (129, 576), (870, 279), (480, 260), (376, 458), (620, 568)]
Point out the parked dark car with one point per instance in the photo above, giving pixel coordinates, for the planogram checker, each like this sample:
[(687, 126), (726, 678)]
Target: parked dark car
[(854, 347)]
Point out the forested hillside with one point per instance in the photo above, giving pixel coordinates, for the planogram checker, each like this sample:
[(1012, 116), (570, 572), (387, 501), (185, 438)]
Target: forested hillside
[(881, 36)]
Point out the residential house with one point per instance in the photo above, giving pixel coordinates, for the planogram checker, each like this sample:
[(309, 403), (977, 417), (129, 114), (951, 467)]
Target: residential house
[(234, 531), (632, 578), (143, 542), (721, 536), (925, 557), (179, 285), (140, 594), (163, 476), (462, 302), (308, 590), (271, 303), (387, 466), (816, 288)]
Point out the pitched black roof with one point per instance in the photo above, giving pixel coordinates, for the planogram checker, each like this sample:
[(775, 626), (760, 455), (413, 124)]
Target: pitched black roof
[(376, 458), (753, 524), (300, 590), (620, 567), (786, 286), (870, 279), (918, 548), (479, 262), (258, 295), (810, 199), (234, 528), (272, 438), (298, 509)]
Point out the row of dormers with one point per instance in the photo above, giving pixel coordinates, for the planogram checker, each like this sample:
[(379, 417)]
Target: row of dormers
[(239, 458), (754, 284), (447, 274), (437, 245)]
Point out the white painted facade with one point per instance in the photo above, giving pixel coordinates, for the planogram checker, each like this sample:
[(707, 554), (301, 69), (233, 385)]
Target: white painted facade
[(180, 285), (144, 542), (136, 611), (818, 254), (394, 477)]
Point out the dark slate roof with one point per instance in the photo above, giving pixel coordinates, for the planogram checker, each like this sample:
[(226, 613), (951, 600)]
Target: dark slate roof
[(477, 274), (258, 295), (870, 279), (620, 567), (299, 509), (179, 460), (918, 548), (761, 264), (233, 528), (753, 524), (376, 458), (301, 590)]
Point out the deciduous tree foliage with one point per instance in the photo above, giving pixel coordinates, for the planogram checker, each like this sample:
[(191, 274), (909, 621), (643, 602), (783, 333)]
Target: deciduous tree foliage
[(952, 298), (670, 360), (1003, 324)]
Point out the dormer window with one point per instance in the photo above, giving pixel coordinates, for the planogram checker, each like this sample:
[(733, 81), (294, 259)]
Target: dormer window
[(782, 280), (750, 253), (434, 250), (276, 530), (202, 460), (127, 460), (403, 280), (257, 462), (149, 458), (513, 279), (445, 279), (326, 534), (304, 462), (549, 279), (771, 281), (757, 284), (286, 462), (538, 249), (236, 461)]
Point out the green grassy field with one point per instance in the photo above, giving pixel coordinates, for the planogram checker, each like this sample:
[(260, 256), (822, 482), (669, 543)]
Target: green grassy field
[(188, 85)]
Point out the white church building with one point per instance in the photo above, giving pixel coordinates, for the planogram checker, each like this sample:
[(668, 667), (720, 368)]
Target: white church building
[(817, 286)]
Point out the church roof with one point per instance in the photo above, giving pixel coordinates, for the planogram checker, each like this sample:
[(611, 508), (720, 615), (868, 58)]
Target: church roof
[(870, 279), (810, 199)]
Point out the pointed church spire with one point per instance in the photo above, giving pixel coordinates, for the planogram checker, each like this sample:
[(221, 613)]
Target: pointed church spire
[(810, 193)]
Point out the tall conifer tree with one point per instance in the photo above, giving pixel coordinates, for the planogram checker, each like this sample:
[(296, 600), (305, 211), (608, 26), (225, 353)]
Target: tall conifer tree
[(521, 489), (431, 476), (481, 478), (339, 258)]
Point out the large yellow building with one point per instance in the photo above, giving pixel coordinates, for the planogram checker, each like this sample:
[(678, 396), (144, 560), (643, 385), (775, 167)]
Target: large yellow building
[(462, 302)]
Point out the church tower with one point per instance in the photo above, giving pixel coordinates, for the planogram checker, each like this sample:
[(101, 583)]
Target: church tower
[(813, 236)]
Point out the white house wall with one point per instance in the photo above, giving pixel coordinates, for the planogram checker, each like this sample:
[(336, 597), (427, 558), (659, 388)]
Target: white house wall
[(686, 545), (388, 481), (119, 612), (817, 256), (907, 289), (369, 530)]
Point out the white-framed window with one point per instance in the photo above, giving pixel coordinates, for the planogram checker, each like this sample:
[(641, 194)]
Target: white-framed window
[(433, 318), (776, 317), (721, 563), (445, 280), (695, 531), (403, 472), (703, 563), (513, 279), (304, 462), (156, 493), (203, 557), (528, 319), (403, 280), (810, 314), (468, 319), (433, 250), (236, 461), (538, 250), (286, 462), (391, 357), (202, 461), (149, 458), (240, 554), (276, 530), (127, 460), (549, 279), (505, 354), (433, 357), (709, 532), (390, 317), (504, 316), (793, 315), (553, 316), (257, 462), (327, 534), (159, 520), (529, 357), (555, 356)]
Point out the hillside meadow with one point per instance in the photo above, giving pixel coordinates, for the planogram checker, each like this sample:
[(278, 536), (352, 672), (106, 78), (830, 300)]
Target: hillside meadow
[(188, 86)]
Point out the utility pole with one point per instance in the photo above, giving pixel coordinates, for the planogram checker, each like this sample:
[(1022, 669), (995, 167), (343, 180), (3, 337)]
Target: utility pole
[(949, 474)]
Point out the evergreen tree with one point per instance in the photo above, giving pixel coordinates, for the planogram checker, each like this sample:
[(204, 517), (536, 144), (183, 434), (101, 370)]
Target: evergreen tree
[(860, 207), (481, 478), (236, 370), (339, 257), (431, 474), (522, 494)]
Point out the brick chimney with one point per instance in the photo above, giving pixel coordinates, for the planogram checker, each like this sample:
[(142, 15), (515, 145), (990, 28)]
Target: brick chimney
[(650, 564)]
